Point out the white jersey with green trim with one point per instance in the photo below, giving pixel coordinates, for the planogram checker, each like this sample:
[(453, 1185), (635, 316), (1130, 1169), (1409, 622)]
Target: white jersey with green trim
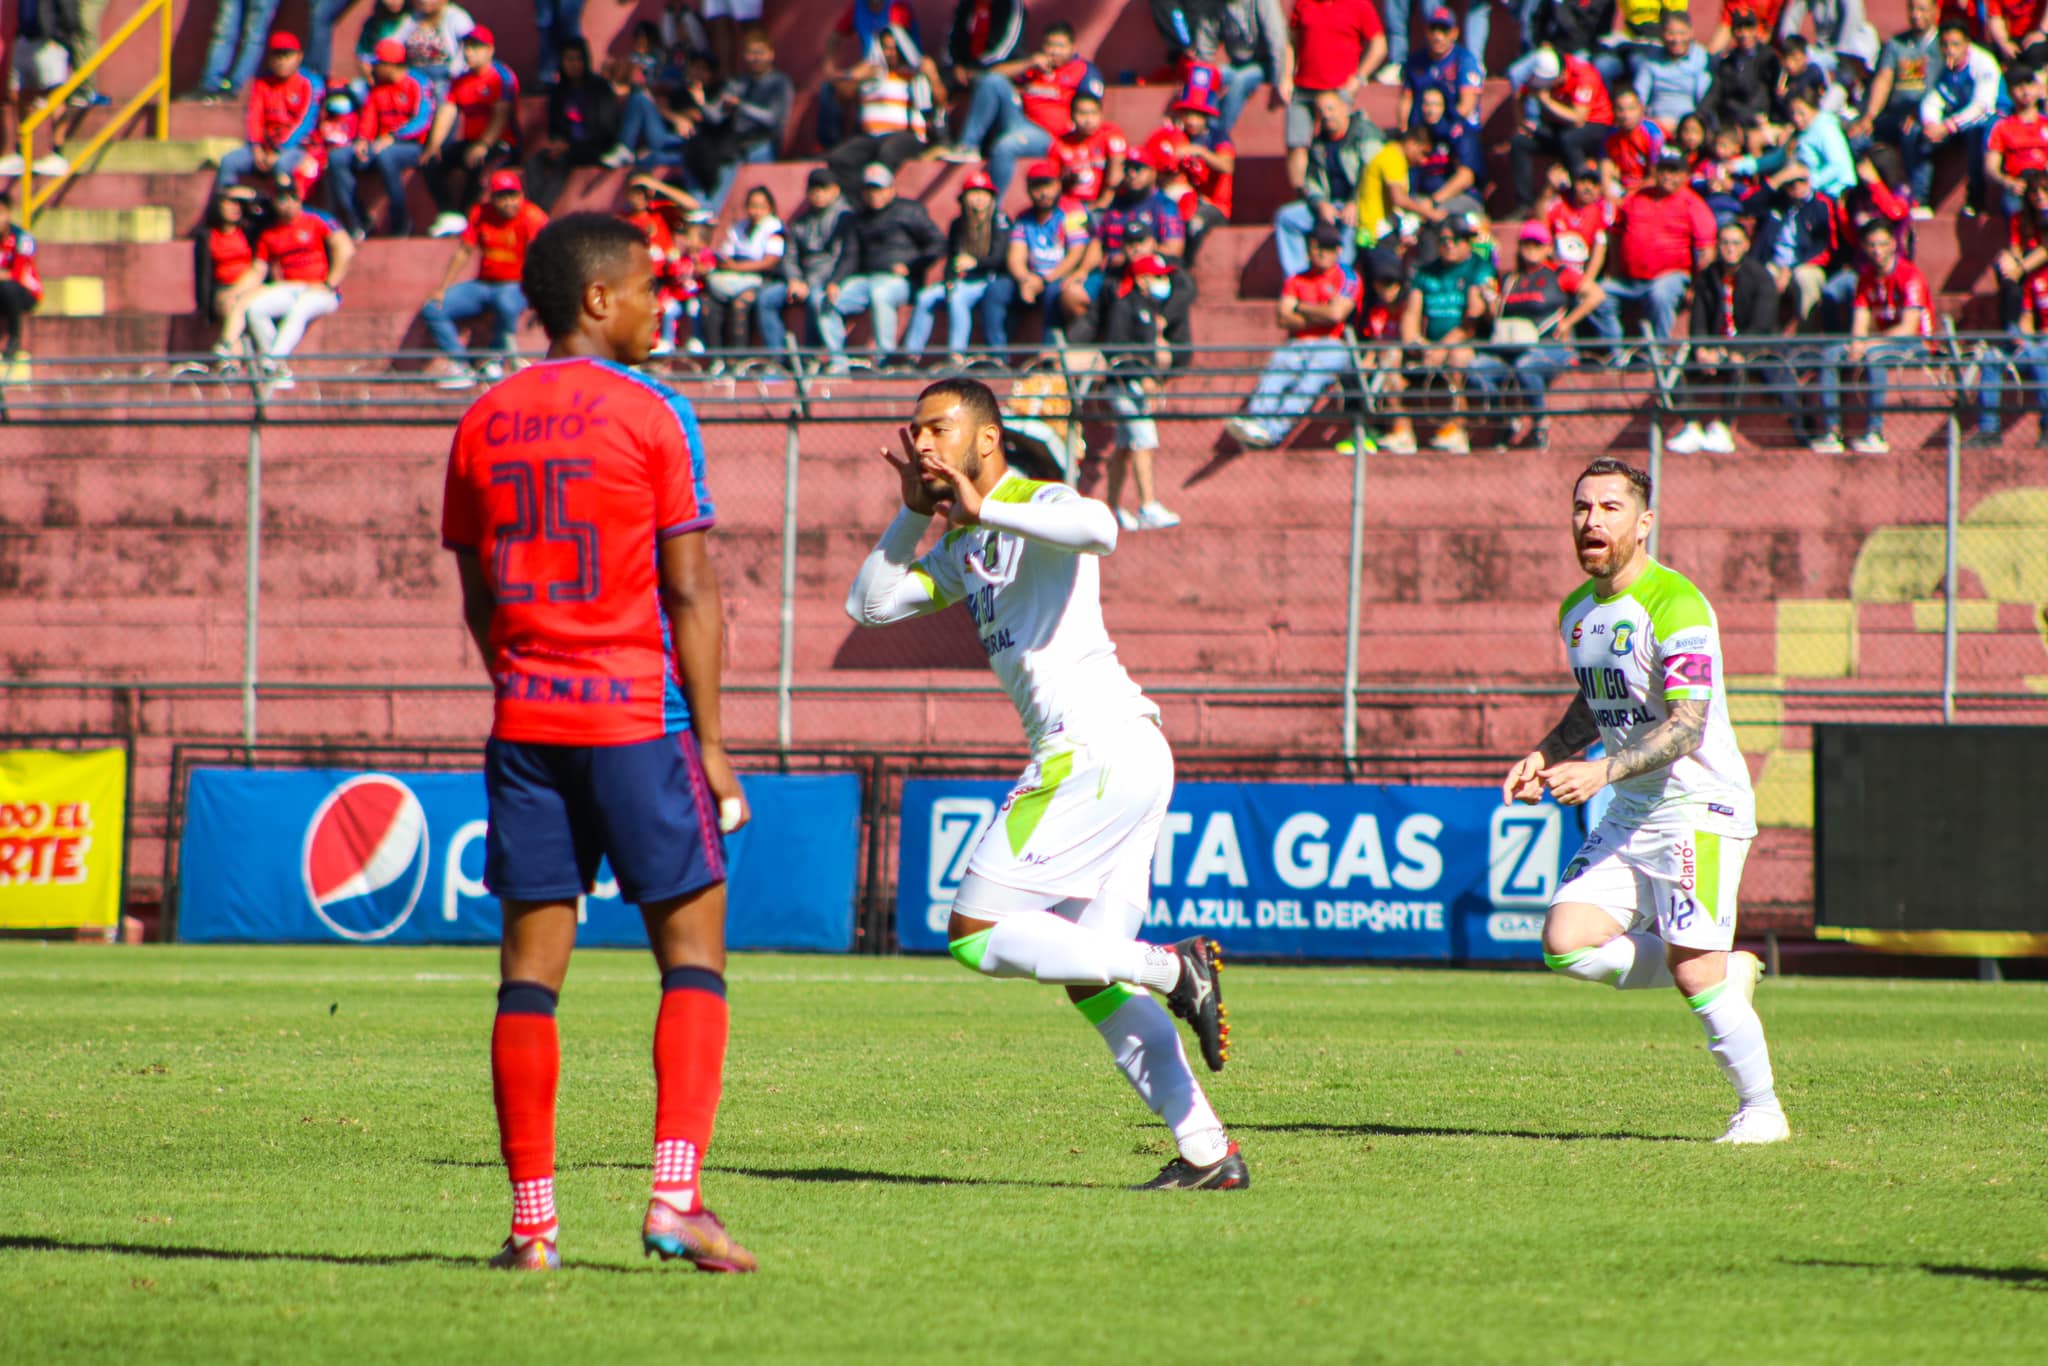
[(1035, 595), (1654, 643)]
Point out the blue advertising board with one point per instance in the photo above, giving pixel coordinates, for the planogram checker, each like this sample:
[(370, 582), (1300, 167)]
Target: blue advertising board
[(1293, 870), (329, 856)]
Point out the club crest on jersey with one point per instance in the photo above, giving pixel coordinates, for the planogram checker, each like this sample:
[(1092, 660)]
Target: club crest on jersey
[(364, 861), (1624, 635)]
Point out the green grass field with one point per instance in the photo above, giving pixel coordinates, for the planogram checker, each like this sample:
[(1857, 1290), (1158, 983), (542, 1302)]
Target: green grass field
[(255, 1155)]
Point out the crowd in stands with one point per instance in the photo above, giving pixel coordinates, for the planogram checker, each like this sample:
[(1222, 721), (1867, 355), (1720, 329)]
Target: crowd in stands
[(1751, 191)]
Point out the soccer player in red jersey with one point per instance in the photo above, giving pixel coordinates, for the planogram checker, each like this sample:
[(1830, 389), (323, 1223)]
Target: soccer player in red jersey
[(577, 511)]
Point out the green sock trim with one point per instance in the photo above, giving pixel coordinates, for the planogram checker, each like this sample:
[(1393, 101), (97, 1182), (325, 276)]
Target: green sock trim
[(1707, 997), (971, 950), (1558, 962), (1106, 1002)]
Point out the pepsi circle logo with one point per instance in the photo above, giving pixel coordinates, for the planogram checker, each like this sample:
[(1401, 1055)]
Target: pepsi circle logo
[(365, 858)]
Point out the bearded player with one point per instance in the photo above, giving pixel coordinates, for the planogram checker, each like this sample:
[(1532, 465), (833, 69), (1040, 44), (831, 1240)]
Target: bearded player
[(1057, 887), (1649, 900), (577, 511)]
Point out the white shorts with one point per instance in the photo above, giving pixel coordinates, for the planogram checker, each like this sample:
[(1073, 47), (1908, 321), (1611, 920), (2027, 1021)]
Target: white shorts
[(744, 11), (1664, 871), (1081, 826)]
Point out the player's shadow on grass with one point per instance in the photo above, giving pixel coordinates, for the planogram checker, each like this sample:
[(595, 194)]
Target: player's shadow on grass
[(1447, 1131), (169, 1253), (830, 1175), (2019, 1277)]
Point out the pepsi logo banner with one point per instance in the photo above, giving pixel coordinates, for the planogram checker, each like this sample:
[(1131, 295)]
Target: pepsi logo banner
[(63, 828), (1293, 870), (321, 856)]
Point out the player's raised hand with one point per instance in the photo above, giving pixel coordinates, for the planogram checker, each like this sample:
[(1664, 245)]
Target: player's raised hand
[(915, 496), (963, 508), (1522, 784), (1574, 783)]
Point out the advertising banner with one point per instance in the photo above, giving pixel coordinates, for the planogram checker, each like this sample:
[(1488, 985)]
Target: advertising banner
[(63, 822), (1293, 870), (324, 856)]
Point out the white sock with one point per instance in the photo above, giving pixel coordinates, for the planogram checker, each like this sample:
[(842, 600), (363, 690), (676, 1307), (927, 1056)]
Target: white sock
[(1629, 962), (1735, 1036), (1147, 1047), (1049, 948)]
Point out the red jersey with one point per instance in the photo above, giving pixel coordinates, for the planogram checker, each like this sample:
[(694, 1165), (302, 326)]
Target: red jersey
[(2022, 17), (1084, 162), (1379, 321), (296, 252), (661, 245), (2022, 235), (477, 94), (231, 252), (1767, 12), (18, 259), (503, 241), (1322, 287), (1330, 38), (281, 113), (402, 110), (1580, 87), (1048, 96), (1889, 296), (1634, 152), (2037, 301), (1209, 183), (563, 480), (1576, 230), (2022, 142)]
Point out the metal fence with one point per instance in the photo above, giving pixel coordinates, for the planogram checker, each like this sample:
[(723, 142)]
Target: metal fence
[(194, 555)]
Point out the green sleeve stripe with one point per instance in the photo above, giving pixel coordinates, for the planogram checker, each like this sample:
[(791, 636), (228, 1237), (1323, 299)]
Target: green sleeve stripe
[(1673, 603), (1015, 489), (1688, 694), (1573, 599), (931, 587)]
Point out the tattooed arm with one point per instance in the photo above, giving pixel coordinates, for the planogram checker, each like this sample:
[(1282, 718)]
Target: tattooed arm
[(1678, 735), (1670, 740), (1573, 732)]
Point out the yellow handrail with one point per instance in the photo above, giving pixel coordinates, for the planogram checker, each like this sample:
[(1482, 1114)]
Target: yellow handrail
[(158, 89)]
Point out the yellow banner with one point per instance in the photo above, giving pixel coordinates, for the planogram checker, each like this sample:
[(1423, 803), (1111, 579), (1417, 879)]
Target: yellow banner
[(62, 817)]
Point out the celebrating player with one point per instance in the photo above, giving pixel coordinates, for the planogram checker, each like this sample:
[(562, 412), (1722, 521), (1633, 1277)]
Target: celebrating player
[(1058, 885), (1663, 864), (577, 511)]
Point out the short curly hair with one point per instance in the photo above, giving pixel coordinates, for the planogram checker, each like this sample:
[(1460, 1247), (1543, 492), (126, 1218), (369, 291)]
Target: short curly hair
[(565, 257)]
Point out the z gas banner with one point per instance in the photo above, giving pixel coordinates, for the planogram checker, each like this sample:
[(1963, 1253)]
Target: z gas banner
[(63, 822), (1293, 870), (322, 857)]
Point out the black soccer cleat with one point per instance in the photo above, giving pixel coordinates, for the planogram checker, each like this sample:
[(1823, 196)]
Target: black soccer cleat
[(1198, 998), (1181, 1175)]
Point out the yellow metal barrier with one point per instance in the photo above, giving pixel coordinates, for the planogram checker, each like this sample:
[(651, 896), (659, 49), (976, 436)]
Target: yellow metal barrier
[(158, 89)]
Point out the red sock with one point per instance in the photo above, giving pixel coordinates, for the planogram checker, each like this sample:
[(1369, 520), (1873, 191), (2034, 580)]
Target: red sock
[(526, 1060), (689, 1071)]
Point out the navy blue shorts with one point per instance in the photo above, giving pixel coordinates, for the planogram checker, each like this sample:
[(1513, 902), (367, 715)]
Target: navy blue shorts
[(557, 809)]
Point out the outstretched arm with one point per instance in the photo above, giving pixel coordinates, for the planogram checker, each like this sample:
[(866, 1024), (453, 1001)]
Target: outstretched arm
[(1082, 525), (890, 586)]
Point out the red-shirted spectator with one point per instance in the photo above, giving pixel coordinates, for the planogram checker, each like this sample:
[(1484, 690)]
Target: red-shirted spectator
[(2014, 30), (223, 266), (496, 236), (1316, 307), (2018, 142), (1019, 107), (1337, 45), (1580, 220), (1203, 174), (1632, 148), (475, 130), (1662, 234), (1090, 154), (1893, 325), (391, 135), (1573, 117), (300, 259), (284, 106), (21, 286)]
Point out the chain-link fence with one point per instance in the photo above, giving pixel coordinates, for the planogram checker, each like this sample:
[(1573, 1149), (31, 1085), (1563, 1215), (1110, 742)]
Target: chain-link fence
[(190, 555)]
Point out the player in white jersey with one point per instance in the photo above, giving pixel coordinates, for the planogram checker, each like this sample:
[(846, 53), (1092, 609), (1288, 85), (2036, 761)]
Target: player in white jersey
[(1649, 900), (1058, 885)]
